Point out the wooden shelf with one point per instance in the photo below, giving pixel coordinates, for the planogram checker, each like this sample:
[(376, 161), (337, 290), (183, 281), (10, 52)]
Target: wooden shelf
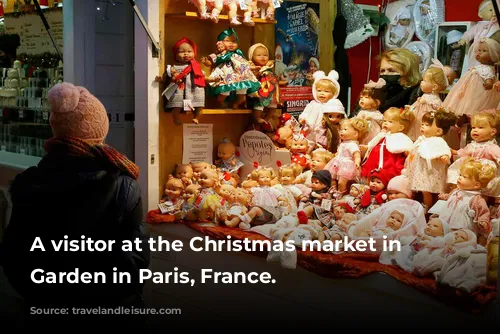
[(226, 111), (194, 15)]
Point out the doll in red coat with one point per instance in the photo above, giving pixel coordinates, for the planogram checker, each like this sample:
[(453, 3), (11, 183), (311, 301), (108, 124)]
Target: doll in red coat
[(389, 148), (376, 195)]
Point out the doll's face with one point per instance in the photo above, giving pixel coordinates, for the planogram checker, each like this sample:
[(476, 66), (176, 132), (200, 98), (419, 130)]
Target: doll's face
[(335, 118), (317, 163), (185, 53), (394, 194), (482, 131), (260, 56), (316, 185), (312, 67), (424, 8), (391, 124), (354, 192), (208, 178), (395, 220), (283, 134), (404, 22), (299, 146), (264, 178), (483, 54), (430, 130), (287, 176), (460, 236), (225, 151), (200, 167), (323, 93), (225, 191), (347, 132), (230, 43), (239, 195), (434, 228), (184, 171), (376, 184), (221, 47), (173, 191), (487, 13), (367, 102), (191, 191), (426, 84), (467, 182), (339, 212)]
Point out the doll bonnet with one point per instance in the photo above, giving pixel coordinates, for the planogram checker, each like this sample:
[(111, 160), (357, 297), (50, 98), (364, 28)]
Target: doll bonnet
[(254, 47), (334, 106), (401, 184), (333, 76)]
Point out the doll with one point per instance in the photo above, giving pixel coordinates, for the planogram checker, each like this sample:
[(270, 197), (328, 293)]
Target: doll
[(185, 173), (319, 159), (485, 28), (353, 199), (483, 147), (240, 211), (346, 164), (473, 92), (325, 88), (208, 200), (172, 200), (388, 149), (465, 207), (244, 5), (370, 99), (433, 82), (313, 208), (393, 223), (269, 5), (298, 147), (399, 187), (428, 161), (199, 167), (427, 22), (224, 190), (339, 228), (228, 161), (328, 136), (237, 74), (189, 211), (287, 174), (268, 94), (187, 84), (287, 127), (401, 28), (376, 194)]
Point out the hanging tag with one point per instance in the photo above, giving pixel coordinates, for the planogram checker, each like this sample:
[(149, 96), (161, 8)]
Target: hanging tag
[(188, 106), (243, 4), (21, 113), (3, 148), (276, 3), (326, 204), (45, 116)]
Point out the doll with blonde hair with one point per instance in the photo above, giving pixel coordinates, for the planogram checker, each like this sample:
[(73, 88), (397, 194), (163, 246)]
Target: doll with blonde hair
[(189, 211), (433, 82), (266, 196), (389, 148), (172, 200), (346, 165), (208, 200), (286, 175), (474, 91), (429, 159), (466, 207)]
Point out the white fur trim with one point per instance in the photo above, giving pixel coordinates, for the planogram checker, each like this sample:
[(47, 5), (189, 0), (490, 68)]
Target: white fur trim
[(359, 36), (398, 143), (432, 148)]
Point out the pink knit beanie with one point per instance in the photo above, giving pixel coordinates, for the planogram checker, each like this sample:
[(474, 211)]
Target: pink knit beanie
[(401, 184), (74, 112)]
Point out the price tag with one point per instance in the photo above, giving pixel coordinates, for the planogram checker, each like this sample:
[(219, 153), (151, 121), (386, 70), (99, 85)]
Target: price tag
[(3, 148), (276, 3), (22, 151), (21, 113), (188, 106), (326, 204), (45, 115), (243, 4)]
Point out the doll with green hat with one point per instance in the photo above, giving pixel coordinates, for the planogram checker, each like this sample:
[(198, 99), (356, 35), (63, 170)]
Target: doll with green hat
[(231, 69)]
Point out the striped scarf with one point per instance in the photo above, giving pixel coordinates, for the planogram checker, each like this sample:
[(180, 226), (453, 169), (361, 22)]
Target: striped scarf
[(82, 148)]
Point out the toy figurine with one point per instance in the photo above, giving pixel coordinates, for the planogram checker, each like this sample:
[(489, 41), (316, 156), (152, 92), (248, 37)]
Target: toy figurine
[(208, 200), (185, 173), (269, 5), (186, 90), (376, 195), (199, 167), (370, 99), (228, 161), (172, 202)]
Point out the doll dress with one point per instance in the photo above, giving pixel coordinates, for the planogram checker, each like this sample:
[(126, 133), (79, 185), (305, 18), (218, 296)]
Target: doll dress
[(208, 198), (468, 95), (343, 165), (238, 210), (375, 120), (425, 171), (423, 105), (188, 92), (290, 192), (226, 165)]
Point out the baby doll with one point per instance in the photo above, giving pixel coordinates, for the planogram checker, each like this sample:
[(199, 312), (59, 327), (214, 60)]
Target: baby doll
[(473, 92), (313, 209), (338, 231), (287, 127), (228, 161), (224, 190), (376, 194), (187, 81), (346, 164), (199, 167), (401, 28), (324, 89), (465, 207), (353, 199), (185, 173), (319, 159), (244, 5), (270, 6), (392, 224), (189, 211), (389, 148), (237, 74), (298, 146), (483, 147), (370, 99), (434, 81), (268, 94), (287, 174), (328, 134), (238, 211), (399, 187), (208, 200), (428, 161), (172, 200)]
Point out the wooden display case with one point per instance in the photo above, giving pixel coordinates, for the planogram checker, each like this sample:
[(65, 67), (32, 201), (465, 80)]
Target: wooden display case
[(179, 19)]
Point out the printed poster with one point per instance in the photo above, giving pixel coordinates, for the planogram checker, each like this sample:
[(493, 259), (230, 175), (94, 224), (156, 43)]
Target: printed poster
[(197, 143), (296, 53)]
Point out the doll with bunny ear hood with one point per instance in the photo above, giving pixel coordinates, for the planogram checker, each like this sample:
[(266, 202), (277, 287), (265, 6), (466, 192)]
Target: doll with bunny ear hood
[(325, 91)]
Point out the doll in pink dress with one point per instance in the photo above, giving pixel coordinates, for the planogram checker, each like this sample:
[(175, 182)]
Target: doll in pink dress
[(346, 164), (434, 81), (370, 99), (428, 160), (474, 91), (466, 207), (483, 147)]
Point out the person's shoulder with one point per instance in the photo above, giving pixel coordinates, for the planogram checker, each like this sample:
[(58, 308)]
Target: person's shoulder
[(129, 191), (21, 180)]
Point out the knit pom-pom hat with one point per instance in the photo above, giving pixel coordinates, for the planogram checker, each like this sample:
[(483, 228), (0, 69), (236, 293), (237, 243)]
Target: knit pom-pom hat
[(75, 112)]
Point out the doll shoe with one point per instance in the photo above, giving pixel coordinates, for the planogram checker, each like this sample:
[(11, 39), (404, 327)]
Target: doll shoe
[(256, 14), (234, 22), (248, 21)]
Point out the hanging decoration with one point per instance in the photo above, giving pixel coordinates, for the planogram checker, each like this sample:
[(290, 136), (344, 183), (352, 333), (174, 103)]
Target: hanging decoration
[(401, 29), (428, 14), (359, 28), (424, 52)]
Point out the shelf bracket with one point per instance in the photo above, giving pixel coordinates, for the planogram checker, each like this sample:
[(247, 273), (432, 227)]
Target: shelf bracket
[(154, 43)]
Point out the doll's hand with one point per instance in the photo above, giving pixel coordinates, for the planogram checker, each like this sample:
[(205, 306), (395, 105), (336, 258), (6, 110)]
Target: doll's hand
[(445, 159), (462, 42), (303, 199), (488, 84), (483, 226), (443, 197), (270, 63)]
